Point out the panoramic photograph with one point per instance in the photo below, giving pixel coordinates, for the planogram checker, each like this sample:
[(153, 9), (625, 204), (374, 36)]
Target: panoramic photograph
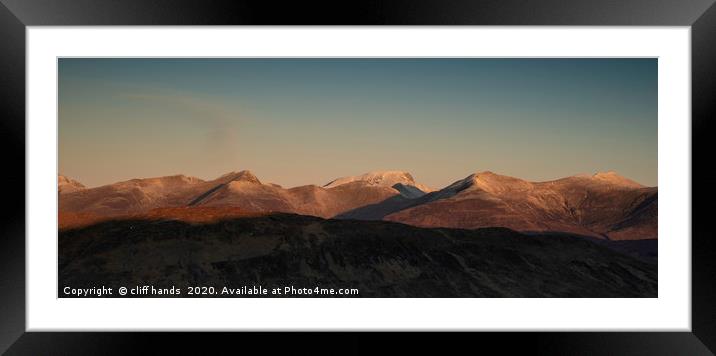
[(357, 177)]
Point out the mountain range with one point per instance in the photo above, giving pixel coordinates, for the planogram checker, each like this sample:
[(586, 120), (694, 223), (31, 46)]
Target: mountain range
[(603, 205), (383, 233)]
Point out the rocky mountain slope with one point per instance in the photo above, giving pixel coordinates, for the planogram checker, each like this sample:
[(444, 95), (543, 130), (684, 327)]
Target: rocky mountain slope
[(603, 205)]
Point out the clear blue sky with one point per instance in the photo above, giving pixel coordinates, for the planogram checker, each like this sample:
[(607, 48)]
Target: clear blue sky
[(307, 121)]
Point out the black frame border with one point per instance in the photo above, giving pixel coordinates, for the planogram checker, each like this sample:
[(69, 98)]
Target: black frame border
[(15, 15)]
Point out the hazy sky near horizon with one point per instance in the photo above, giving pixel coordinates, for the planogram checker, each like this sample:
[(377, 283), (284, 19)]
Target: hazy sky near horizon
[(308, 121)]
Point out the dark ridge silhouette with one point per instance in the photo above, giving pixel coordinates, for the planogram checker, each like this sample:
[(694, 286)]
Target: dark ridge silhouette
[(645, 250), (380, 259)]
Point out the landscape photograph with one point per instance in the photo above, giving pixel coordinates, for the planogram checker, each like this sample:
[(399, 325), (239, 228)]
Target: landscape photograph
[(357, 177)]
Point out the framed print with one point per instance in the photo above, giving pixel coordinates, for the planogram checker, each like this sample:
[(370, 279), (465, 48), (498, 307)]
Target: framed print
[(485, 168)]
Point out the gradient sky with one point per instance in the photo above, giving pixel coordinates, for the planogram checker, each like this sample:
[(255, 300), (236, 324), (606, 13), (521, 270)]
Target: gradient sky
[(307, 121)]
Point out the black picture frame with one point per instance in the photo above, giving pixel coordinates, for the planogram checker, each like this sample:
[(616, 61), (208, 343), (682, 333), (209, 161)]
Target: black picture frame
[(16, 15)]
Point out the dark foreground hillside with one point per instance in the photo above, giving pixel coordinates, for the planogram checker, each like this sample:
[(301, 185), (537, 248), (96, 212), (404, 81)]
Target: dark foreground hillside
[(380, 259)]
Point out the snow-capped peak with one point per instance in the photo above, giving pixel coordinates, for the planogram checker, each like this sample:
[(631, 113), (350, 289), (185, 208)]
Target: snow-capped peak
[(68, 185), (242, 176), (381, 179), (613, 177), (377, 178)]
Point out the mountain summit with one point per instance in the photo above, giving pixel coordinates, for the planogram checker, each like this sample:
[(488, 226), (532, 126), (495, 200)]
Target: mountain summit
[(381, 179), (68, 185), (241, 176), (614, 178)]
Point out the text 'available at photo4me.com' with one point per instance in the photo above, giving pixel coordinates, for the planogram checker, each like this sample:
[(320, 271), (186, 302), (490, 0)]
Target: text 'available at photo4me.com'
[(140, 291)]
